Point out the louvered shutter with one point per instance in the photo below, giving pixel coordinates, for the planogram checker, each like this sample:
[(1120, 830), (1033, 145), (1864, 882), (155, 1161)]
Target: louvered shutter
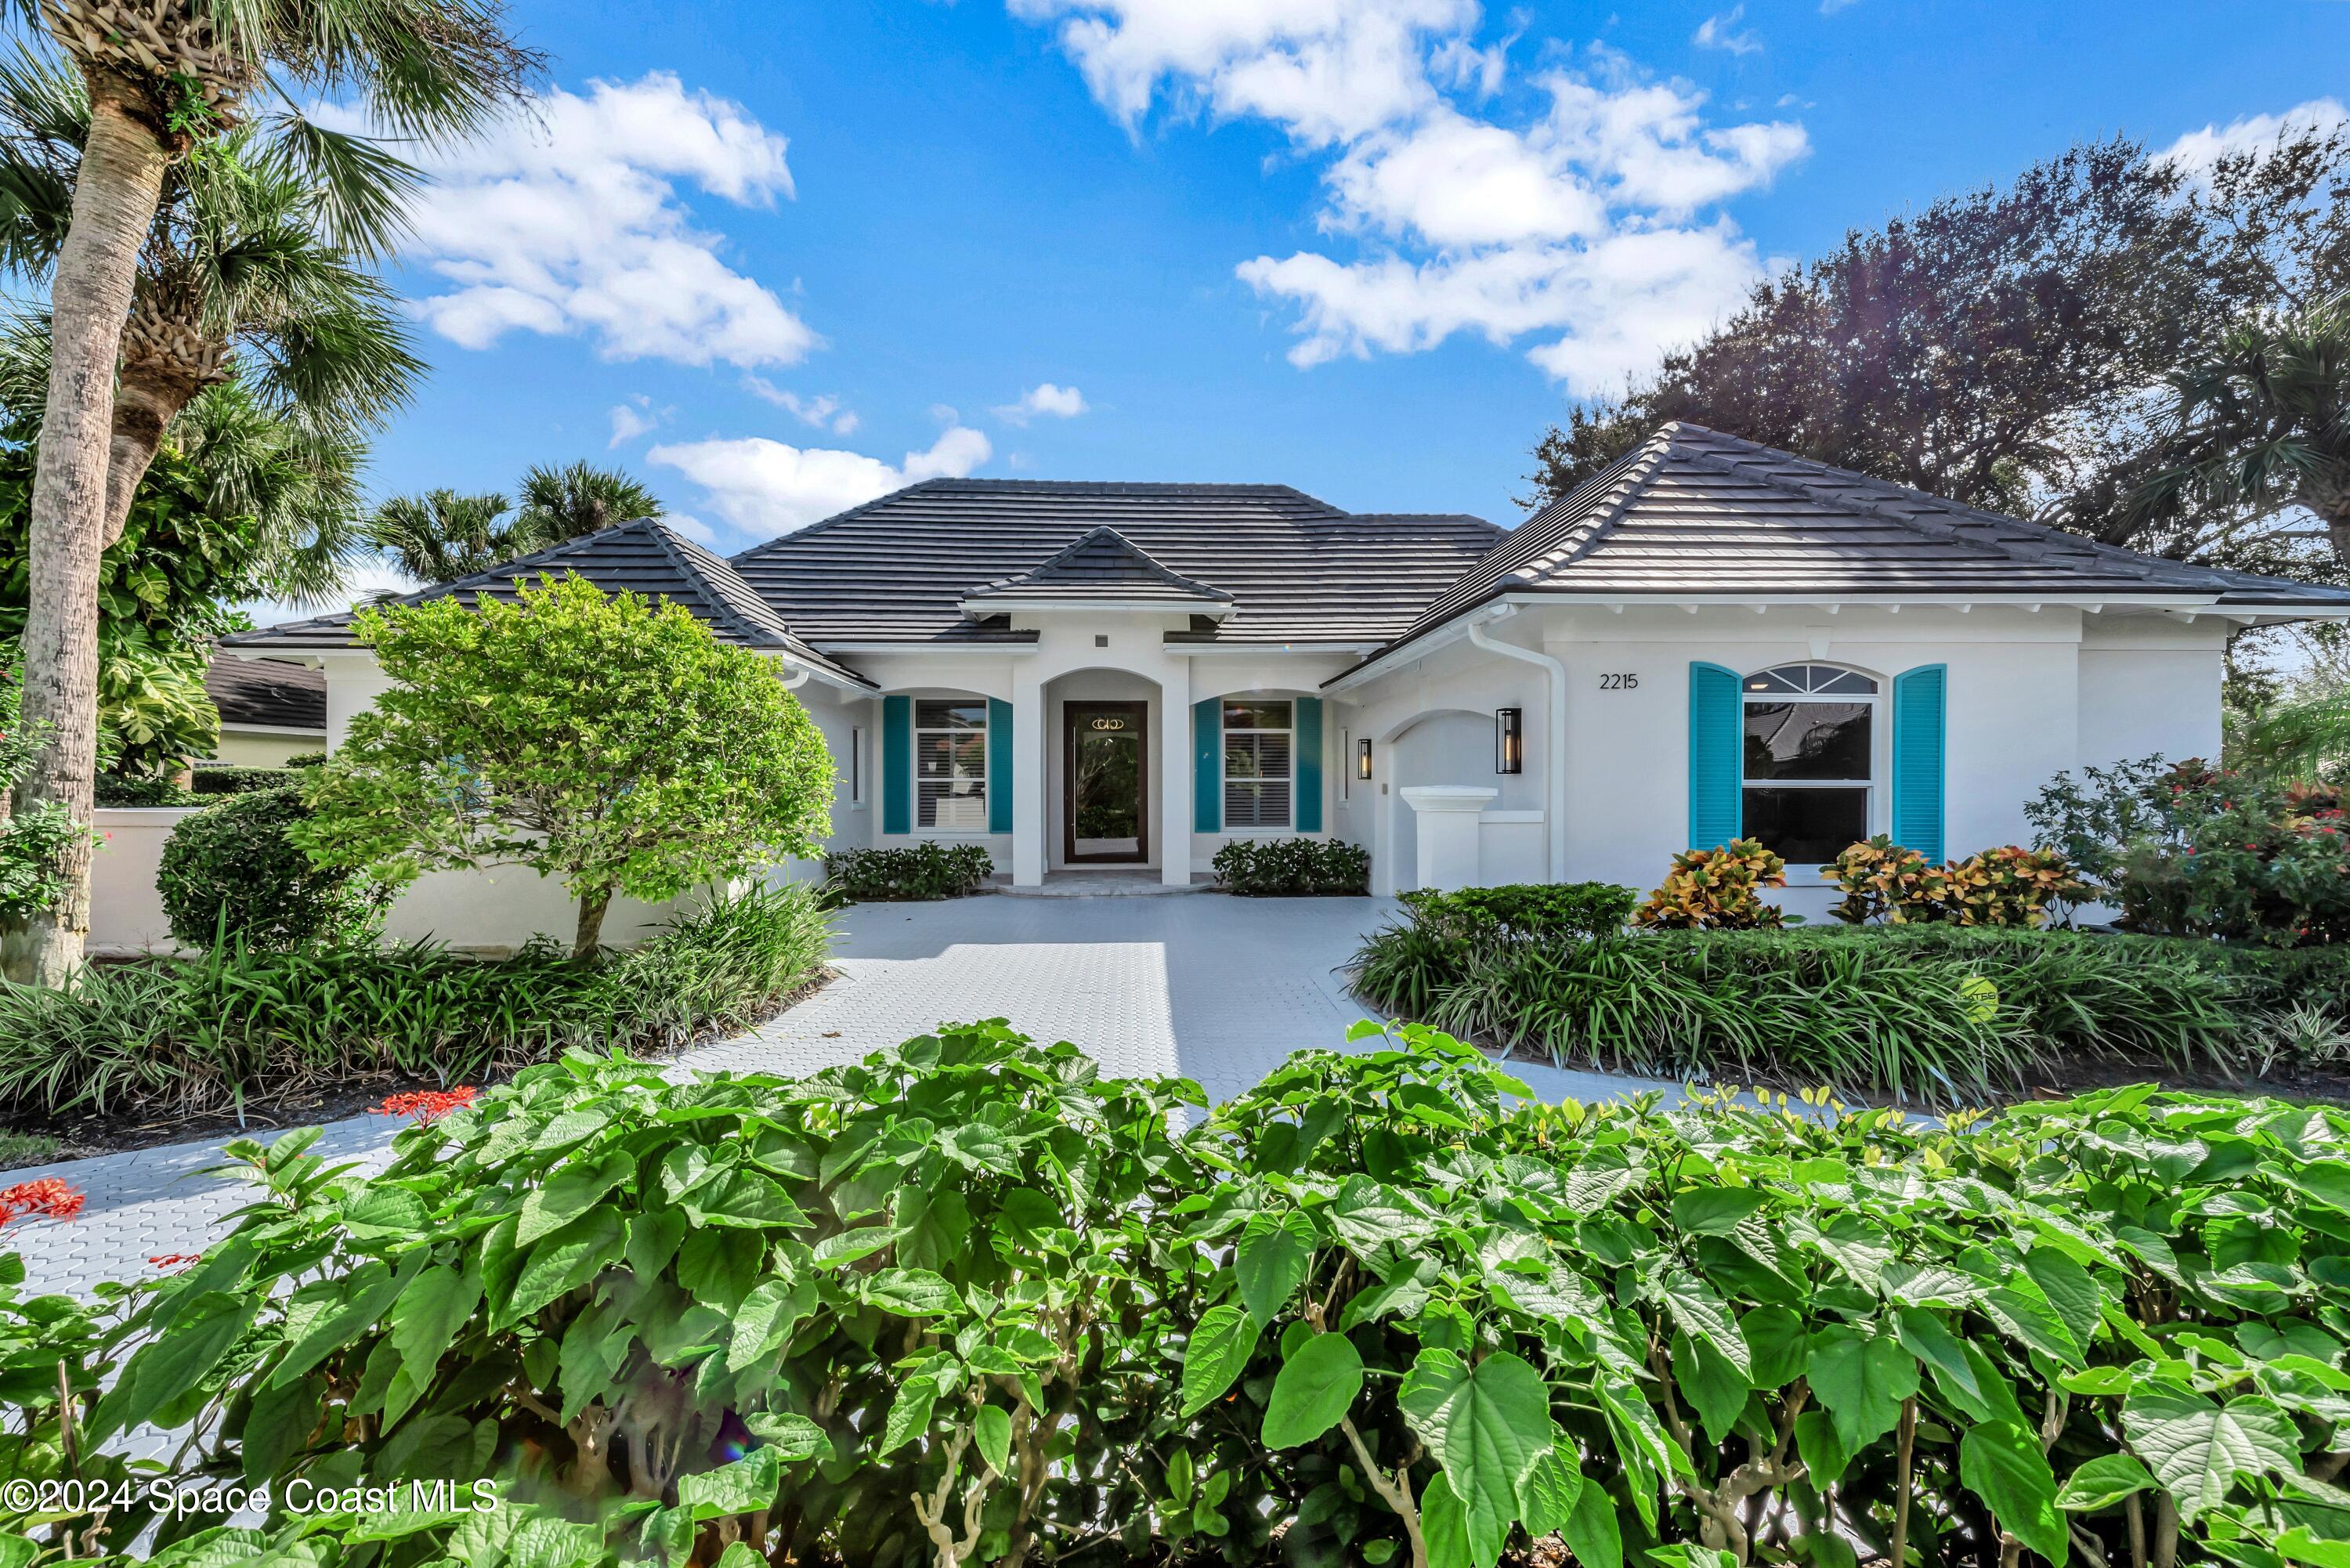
[(1715, 757), (1309, 764), (897, 764), (1208, 765), (999, 766), (1921, 700)]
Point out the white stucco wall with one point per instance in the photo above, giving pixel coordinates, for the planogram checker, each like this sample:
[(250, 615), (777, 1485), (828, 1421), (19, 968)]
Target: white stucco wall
[(243, 748)]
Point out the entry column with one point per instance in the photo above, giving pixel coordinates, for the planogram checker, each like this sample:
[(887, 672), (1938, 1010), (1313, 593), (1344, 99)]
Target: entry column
[(1175, 769), (1029, 741)]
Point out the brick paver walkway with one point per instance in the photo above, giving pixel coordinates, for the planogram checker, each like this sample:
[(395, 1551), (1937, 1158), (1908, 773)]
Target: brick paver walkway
[(1213, 988)]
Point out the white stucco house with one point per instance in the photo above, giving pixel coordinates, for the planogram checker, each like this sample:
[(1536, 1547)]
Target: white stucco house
[(1711, 639)]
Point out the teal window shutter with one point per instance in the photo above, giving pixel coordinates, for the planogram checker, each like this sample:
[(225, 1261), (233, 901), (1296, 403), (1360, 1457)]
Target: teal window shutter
[(897, 764), (1308, 739), (999, 766), (1208, 765), (1920, 704), (1716, 757)]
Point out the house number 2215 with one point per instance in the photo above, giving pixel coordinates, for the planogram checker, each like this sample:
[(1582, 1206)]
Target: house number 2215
[(1625, 682)]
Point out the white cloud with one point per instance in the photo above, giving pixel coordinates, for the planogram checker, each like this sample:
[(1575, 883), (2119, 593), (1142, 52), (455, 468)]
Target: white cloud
[(1042, 400), (1719, 31), (634, 419), (1587, 222), (765, 487), (823, 411), (570, 219), (2198, 150)]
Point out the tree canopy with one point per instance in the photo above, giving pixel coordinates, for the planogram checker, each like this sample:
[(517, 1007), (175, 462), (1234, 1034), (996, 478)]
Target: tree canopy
[(601, 739), (2008, 347), (442, 535)]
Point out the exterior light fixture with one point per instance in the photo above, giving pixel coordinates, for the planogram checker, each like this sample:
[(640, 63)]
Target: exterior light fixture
[(1510, 740), (1363, 758)]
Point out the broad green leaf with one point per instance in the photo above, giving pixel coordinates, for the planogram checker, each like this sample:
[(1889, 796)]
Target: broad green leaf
[(571, 1192), (1822, 1451), (2300, 1544), (1862, 1382), (1219, 1348), (2026, 1315), (564, 1261), (1314, 1388), (976, 1146), (1402, 1297), (1711, 1383), (1271, 1261), (910, 1413), (1486, 1429), (1715, 1210), (992, 1431), (1779, 1343), (2071, 1293), (765, 1320), (2103, 1482), (1924, 1336), (1592, 1531), (744, 1198), (1444, 1527), (795, 1437), (1698, 1312), (2002, 1464), (911, 1292), (426, 1319), (2198, 1448), (746, 1486), (1552, 1490)]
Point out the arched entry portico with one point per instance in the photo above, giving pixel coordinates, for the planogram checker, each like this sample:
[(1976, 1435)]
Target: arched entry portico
[(1106, 731)]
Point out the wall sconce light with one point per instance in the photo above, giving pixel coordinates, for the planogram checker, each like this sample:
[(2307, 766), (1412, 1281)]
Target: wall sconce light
[(1363, 758), (1510, 740)]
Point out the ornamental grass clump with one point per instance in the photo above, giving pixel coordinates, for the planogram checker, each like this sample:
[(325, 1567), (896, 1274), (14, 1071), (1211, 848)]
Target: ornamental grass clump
[(969, 1302)]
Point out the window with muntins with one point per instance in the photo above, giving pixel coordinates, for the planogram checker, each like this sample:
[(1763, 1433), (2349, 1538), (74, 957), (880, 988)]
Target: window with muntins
[(1257, 762), (950, 764), (1810, 759)]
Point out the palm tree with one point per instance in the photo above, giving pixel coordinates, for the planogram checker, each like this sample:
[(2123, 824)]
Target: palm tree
[(163, 77), (2264, 423), (560, 503), (442, 536)]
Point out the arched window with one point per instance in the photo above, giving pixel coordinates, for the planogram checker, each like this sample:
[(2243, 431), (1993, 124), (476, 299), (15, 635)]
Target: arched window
[(1810, 764)]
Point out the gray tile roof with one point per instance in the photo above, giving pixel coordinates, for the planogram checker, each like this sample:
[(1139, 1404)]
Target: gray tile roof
[(1297, 569), (1692, 513), (267, 692), (1103, 565), (644, 558)]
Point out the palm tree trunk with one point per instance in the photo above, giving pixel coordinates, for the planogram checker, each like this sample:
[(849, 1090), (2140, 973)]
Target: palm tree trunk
[(167, 360), (115, 194)]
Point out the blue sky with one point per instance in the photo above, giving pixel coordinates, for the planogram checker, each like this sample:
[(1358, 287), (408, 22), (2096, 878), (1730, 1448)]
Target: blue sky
[(777, 257)]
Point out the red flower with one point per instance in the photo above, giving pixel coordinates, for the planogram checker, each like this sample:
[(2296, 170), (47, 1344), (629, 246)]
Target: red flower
[(48, 1196), (424, 1106), (174, 1260)]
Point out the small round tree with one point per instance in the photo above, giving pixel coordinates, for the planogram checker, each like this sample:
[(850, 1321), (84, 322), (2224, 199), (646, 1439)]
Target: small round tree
[(599, 738), (234, 870)]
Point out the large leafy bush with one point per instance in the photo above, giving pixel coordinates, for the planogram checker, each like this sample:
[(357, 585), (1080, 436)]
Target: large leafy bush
[(1293, 868), (1526, 911), (968, 1303), (911, 872), (233, 873), (237, 1024), (1881, 880), (1717, 890)]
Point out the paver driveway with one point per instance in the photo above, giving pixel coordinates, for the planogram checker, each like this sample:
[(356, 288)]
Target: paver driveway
[(1212, 988)]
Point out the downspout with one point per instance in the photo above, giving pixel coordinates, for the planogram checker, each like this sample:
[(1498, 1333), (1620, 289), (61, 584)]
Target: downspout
[(1554, 732)]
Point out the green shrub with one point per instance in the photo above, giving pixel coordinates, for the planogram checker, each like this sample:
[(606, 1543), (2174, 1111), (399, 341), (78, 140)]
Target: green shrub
[(969, 1302), (231, 872), (183, 1036), (306, 760), (1717, 890), (917, 871), (1292, 868), (118, 793), (1527, 911), (241, 781)]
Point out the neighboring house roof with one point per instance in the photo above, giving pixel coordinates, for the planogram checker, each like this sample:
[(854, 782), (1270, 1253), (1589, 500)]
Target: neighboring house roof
[(1691, 513), (1294, 569), (643, 557), (1103, 565), (268, 693)]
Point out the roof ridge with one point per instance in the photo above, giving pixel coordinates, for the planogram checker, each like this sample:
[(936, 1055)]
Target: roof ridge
[(1066, 552), (676, 546)]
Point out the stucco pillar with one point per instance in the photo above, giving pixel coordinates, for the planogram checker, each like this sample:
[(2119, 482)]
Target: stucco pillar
[(1446, 833), (1029, 742), (1175, 774)]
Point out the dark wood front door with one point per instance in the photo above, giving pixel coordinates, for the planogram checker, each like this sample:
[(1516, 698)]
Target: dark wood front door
[(1105, 784)]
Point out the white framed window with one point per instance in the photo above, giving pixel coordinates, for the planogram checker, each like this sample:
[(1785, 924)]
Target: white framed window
[(1809, 770), (860, 763), (1259, 759), (950, 764)]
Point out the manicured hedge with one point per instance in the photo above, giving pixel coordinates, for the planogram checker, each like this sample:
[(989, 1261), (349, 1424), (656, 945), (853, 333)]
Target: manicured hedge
[(917, 872), (238, 1024), (970, 1301), (231, 872)]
